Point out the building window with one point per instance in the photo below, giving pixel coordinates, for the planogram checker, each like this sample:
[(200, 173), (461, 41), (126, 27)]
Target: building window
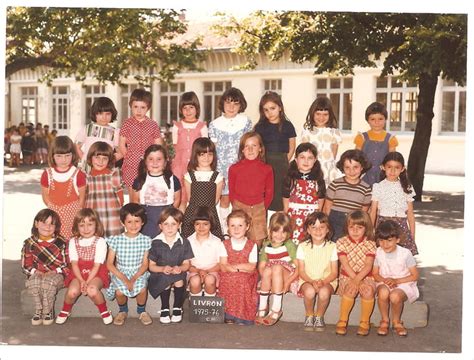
[(92, 93), (339, 91), (453, 119), (212, 94), (401, 100), (124, 111), (29, 105), (61, 108), (170, 94), (272, 85)]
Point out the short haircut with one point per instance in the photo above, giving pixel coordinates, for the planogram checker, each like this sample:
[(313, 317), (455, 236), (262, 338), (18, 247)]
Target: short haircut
[(233, 94), (133, 209), (141, 95), (91, 214), (202, 145), (280, 220), (62, 145), (360, 217), (42, 216), (376, 108), (388, 229), (355, 155), (239, 213), (323, 219), (203, 213), (176, 214), (100, 105), (101, 148), (189, 98)]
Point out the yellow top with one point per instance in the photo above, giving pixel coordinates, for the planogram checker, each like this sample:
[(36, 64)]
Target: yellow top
[(359, 139)]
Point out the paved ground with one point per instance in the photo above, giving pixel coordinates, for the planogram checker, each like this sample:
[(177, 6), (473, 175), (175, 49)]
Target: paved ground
[(440, 231)]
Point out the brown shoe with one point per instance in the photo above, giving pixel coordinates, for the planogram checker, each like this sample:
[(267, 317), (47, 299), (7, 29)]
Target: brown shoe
[(341, 327), (120, 318), (399, 328), (383, 328), (145, 318), (363, 329)]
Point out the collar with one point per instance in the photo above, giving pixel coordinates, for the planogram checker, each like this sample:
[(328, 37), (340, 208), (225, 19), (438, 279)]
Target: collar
[(355, 241), (161, 237)]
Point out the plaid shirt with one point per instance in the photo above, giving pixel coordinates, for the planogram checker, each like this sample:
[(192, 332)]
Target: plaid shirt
[(44, 256)]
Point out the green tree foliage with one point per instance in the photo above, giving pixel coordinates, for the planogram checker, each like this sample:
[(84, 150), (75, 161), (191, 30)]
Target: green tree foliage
[(108, 44), (419, 47)]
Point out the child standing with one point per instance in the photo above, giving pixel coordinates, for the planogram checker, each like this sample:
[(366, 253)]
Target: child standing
[(349, 192), (87, 252), (169, 261), (203, 185), (279, 138), (277, 268), (376, 142), (155, 188), (41, 145), (43, 260), (356, 253), (251, 184), (137, 134), (183, 134), (15, 148), (226, 131), (396, 275), (321, 130), (208, 251), (317, 264), (127, 262), (102, 113), (304, 188), (392, 198), (238, 274), (63, 185), (104, 187)]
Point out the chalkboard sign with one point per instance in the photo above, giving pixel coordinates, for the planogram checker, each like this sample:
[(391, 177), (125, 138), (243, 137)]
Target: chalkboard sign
[(206, 309)]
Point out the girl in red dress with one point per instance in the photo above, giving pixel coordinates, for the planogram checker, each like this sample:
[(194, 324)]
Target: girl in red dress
[(238, 274), (87, 253)]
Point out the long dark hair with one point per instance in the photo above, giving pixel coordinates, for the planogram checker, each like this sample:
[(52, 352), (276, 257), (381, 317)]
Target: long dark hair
[(396, 156), (271, 96), (142, 170), (202, 145)]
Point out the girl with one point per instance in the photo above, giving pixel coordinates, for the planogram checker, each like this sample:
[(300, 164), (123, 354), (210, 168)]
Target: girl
[(396, 275), (156, 188), (277, 268), (137, 134), (15, 147), (203, 185), (41, 145), (349, 192), (321, 130), (87, 252), (226, 131), (392, 198), (43, 260), (356, 253), (127, 262), (304, 189), (63, 185), (183, 133), (104, 187), (251, 184), (208, 250), (279, 139), (238, 275), (102, 113), (317, 264), (169, 262)]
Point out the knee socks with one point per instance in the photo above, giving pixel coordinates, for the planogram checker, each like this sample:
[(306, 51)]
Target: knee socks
[(366, 308), (346, 306), (263, 300), (165, 299), (178, 297), (276, 302)]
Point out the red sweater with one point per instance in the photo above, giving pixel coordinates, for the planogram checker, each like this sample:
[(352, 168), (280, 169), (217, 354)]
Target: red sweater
[(251, 182)]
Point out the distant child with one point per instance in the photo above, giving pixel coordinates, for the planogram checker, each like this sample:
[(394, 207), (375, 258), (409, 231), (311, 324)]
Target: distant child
[(169, 261), (155, 188), (251, 184), (104, 187), (349, 192), (226, 131), (376, 142), (279, 138), (101, 113), (127, 262), (208, 251), (88, 275), (63, 185), (41, 144), (277, 267), (183, 133), (396, 275), (392, 198), (28, 146), (318, 269), (304, 188), (43, 260), (203, 185), (322, 131), (138, 132), (356, 252), (15, 148), (238, 276)]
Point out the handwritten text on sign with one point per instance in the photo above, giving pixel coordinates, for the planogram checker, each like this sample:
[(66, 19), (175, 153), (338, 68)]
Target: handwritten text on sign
[(206, 309)]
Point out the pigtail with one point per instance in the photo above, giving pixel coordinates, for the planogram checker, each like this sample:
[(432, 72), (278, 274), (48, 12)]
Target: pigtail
[(142, 172)]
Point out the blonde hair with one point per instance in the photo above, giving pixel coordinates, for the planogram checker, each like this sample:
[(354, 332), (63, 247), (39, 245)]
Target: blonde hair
[(239, 214), (91, 214), (244, 139), (360, 217), (279, 220)]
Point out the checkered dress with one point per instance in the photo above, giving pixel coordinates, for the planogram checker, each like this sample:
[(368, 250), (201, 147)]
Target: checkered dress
[(129, 254)]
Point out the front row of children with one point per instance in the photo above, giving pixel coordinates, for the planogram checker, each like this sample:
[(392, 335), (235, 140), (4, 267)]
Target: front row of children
[(208, 266)]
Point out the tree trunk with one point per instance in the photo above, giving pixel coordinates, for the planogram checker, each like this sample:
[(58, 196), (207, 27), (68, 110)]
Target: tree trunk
[(421, 141)]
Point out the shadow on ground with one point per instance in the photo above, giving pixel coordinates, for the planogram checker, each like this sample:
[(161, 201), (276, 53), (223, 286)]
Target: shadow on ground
[(441, 209)]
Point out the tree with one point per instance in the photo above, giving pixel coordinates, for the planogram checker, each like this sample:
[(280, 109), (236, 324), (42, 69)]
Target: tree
[(108, 44), (420, 47)]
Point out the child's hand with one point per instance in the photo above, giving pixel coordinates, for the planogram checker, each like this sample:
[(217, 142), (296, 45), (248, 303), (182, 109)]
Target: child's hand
[(391, 283), (167, 269), (129, 284), (202, 274), (176, 270), (83, 287)]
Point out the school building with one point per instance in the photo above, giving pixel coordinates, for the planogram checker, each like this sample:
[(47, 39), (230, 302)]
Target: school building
[(64, 105)]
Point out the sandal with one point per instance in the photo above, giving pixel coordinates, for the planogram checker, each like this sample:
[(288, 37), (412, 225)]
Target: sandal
[(399, 328), (261, 314), (341, 327), (383, 328), (364, 328), (270, 319)]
